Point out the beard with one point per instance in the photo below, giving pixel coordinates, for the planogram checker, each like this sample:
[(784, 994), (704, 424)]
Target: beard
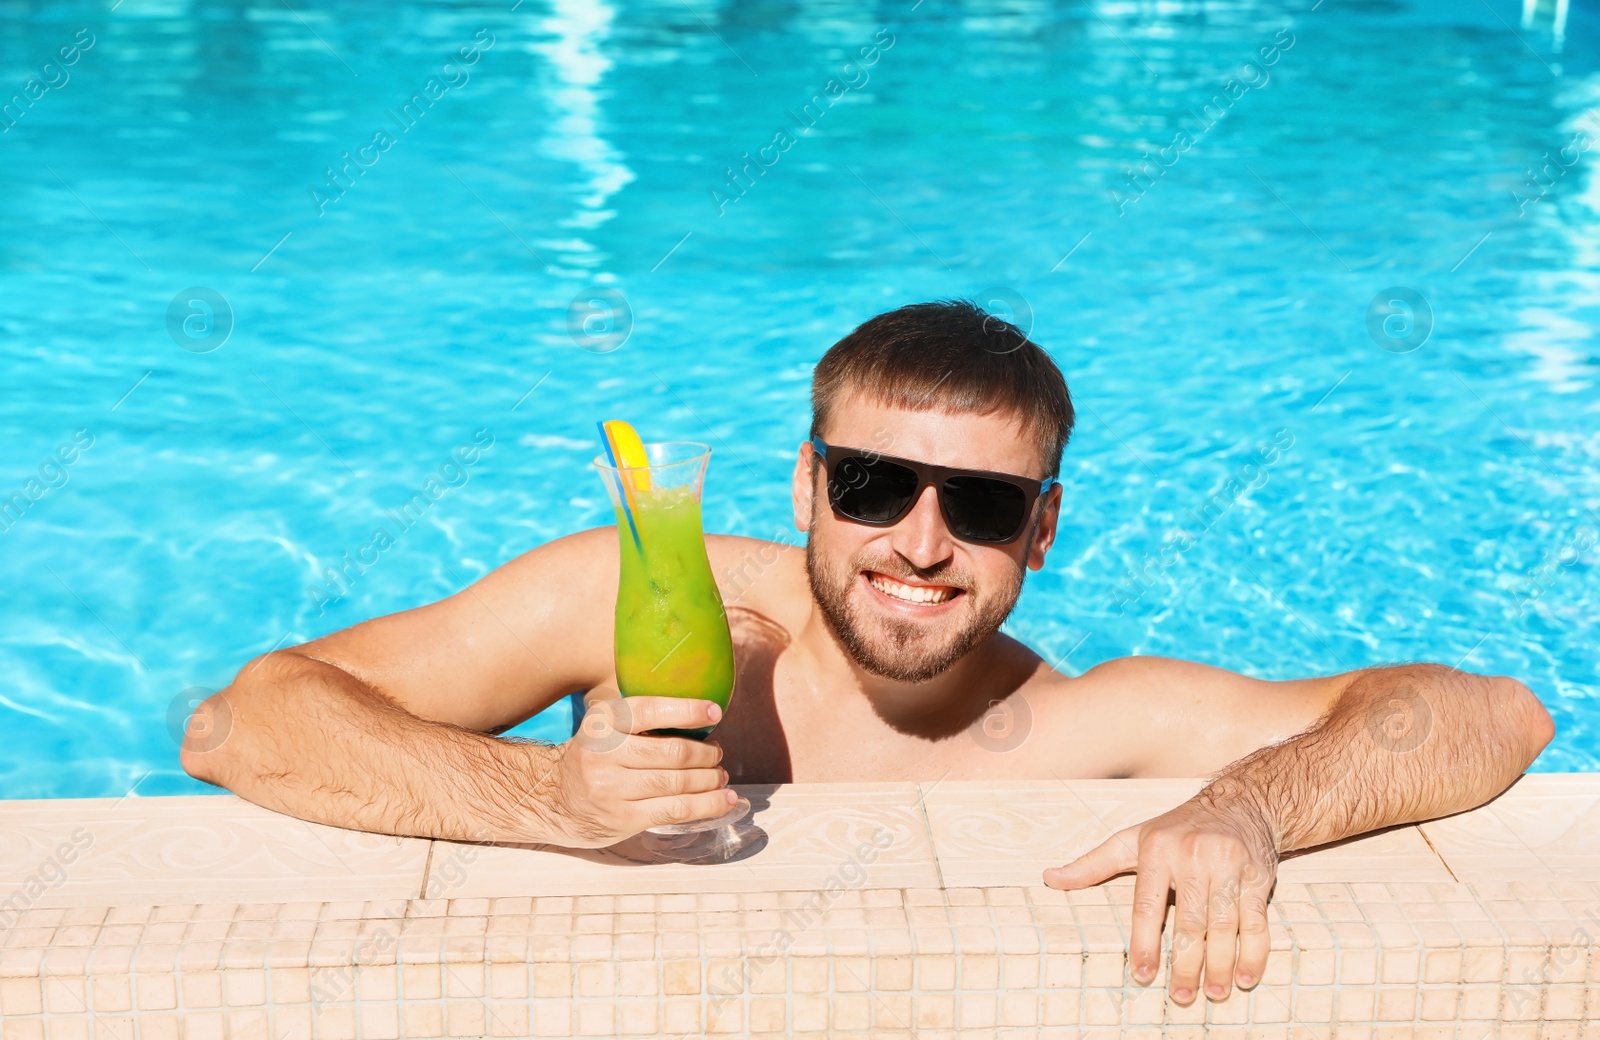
[(899, 648)]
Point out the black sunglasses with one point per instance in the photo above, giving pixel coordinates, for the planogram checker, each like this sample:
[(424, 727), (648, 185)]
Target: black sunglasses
[(978, 506)]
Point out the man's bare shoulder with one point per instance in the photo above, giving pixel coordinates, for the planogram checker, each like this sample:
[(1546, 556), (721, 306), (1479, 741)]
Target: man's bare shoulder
[(1152, 677), (1159, 678), (573, 565), (761, 575), (1164, 716), (503, 648), (1146, 679), (579, 571)]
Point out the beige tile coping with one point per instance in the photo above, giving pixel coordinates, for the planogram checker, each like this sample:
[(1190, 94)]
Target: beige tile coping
[(898, 910)]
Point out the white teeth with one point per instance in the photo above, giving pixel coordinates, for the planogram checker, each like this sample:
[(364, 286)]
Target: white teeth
[(910, 593)]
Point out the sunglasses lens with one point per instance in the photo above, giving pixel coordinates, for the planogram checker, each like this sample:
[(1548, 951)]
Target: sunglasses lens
[(871, 490), (983, 510)]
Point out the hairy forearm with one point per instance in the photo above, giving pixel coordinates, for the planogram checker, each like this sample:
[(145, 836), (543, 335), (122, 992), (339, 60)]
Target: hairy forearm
[(1400, 745), (306, 738)]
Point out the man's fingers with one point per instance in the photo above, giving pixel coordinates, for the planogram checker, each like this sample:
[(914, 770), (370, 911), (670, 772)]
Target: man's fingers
[(641, 714), (681, 808), (641, 784), (1255, 939), (668, 753), (1188, 939), (1150, 890), (1118, 854), (1222, 937)]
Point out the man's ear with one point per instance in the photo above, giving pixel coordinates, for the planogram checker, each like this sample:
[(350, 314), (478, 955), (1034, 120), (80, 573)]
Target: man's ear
[(1044, 534), (802, 493)]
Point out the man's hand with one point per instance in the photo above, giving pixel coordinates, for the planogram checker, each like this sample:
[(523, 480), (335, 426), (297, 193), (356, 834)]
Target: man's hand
[(609, 782), (1392, 746), (1221, 862)]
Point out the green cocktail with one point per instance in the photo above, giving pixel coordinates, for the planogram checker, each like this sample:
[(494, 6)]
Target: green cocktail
[(672, 637)]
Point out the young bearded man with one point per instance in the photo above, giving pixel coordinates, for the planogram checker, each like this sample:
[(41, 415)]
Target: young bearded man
[(927, 490)]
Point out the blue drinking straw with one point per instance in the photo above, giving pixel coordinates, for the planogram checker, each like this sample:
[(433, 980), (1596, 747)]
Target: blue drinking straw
[(605, 440)]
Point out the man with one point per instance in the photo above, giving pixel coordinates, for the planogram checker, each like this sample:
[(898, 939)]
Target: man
[(925, 493)]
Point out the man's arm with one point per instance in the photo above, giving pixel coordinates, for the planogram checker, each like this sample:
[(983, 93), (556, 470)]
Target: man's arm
[(1395, 745), (1401, 744), (385, 726)]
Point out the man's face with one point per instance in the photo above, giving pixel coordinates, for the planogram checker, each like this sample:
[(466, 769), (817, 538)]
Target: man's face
[(910, 600)]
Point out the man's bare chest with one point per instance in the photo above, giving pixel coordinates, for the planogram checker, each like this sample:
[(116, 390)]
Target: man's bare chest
[(785, 725)]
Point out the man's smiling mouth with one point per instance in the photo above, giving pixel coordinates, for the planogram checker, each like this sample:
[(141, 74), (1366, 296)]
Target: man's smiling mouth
[(920, 595)]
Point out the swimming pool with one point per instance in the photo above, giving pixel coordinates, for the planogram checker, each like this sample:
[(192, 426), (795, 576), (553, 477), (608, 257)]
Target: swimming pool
[(412, 228)]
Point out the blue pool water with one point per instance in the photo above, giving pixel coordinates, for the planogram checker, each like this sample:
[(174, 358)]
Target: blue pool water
[(1437, 503)]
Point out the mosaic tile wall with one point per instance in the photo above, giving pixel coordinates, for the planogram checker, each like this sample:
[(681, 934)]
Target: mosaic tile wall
[(867, 910)]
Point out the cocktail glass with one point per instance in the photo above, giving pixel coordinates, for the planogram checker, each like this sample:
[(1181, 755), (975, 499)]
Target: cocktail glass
[(672, 636)]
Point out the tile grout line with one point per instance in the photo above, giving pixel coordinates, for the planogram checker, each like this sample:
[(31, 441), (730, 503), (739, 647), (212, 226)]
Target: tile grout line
[(1083, 962), (1338, 947), (999, 959), (1443, 862), (1295, 952), (427, 867), (872, 966), (1502, 984), (927, 829), (1044, 958), (1460, 984), (1416, 944), (954, 931)]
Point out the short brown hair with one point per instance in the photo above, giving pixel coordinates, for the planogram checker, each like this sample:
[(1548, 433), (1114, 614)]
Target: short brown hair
[(950, 355)]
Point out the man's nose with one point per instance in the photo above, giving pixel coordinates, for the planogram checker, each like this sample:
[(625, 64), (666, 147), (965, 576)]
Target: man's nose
[(921, 536)]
